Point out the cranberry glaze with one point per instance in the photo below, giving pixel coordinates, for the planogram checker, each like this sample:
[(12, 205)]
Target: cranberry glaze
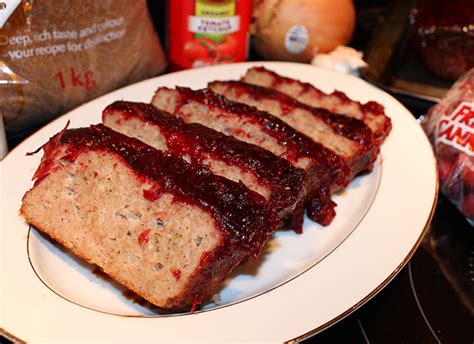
[(367, 110), (240, 214), (199, 142)]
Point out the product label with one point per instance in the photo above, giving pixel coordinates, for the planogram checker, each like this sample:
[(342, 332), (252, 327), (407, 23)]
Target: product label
[(296, 39), (6, 9), (214, 26), (456, 129)]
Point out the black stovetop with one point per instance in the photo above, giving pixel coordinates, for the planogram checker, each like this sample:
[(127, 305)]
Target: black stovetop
[(430, 301)]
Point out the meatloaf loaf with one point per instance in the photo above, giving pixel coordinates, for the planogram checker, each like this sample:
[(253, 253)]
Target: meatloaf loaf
[(261, 171), (348, 137), (168, 230), (372, 113), (325, 170)]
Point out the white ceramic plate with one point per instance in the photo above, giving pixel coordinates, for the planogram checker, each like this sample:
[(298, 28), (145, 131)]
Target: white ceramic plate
[(300, 285)]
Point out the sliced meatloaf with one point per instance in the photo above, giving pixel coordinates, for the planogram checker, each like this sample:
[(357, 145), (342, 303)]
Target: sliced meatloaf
[(348, 137), (372, 113), (325, 170), (168, 230), (261, 171)]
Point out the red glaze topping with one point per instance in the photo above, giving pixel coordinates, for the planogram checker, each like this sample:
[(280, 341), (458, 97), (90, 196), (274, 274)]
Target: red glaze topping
[(206, 257), (375, 109), (51, 149), (330, 167), (152, 194), (196, 302), (368, 109), (306, 87), (321, 208), (298, 218), (351, 128), (240, 214), (200, 142)]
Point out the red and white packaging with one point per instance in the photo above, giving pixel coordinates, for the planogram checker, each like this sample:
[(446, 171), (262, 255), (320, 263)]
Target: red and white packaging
[(450, 127)]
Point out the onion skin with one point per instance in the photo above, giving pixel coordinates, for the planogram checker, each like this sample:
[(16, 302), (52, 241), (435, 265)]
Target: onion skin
[(329, 23)]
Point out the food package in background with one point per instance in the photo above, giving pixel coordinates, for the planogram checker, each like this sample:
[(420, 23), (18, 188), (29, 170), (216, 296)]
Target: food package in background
[(450, 127), (55, 55), (442, 32)]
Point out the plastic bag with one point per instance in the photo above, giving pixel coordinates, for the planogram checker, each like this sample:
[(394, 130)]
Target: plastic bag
[(55, 55), (450, 127)]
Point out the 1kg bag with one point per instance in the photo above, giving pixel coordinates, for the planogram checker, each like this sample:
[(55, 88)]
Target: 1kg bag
[(55, 55), (450, 127)]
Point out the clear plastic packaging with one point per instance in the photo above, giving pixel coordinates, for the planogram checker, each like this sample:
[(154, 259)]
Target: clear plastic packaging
[(55, 55), (450, 127)]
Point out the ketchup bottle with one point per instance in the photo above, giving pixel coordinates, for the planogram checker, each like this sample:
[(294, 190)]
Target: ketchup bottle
[(208, 32)]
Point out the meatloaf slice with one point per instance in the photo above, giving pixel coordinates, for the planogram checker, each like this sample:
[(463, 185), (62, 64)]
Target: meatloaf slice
[(168, 230), (261, 171), (372, 113), (325, 170), (348, 137)]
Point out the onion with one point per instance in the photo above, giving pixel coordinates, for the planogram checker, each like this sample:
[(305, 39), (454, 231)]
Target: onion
[(293, 30)]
